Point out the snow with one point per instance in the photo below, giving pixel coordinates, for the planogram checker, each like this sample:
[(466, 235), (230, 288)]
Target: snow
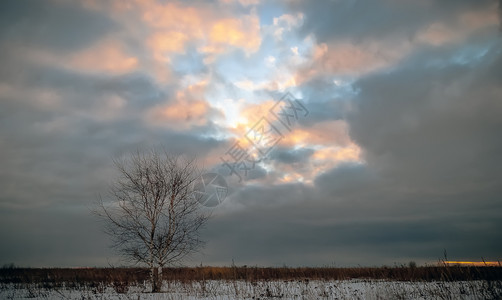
[(284, 289)]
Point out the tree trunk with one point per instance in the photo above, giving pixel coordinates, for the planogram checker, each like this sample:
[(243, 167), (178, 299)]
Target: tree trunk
[(156, 276), (154, 273), (159, 278)]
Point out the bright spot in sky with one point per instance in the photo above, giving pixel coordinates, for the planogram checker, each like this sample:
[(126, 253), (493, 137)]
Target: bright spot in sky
[(232, 112)]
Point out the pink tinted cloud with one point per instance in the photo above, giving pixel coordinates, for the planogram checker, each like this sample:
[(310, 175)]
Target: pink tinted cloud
[(105, 56), (467, 23), (189, 108), (346, 58), (166, 28)]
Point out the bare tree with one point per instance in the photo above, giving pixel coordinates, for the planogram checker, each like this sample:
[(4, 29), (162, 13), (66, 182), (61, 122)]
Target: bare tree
[(153, 218)]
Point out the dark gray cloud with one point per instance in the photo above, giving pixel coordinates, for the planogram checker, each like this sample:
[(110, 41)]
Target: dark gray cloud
[(353, 218), (56, 235), (324, 100), (290, 156), (441, 122), (59, 27), (500, 14), (389, 20)]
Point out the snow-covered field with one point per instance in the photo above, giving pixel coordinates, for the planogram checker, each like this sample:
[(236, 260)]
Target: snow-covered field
[(291, 289)]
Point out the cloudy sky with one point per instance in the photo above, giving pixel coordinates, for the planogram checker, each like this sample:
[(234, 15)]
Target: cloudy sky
[(394, 154)]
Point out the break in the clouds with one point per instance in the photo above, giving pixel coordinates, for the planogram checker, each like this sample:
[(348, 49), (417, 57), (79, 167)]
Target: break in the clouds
[(397, 159)]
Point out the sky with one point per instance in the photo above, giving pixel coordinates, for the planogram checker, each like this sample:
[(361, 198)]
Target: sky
[(393, 155)]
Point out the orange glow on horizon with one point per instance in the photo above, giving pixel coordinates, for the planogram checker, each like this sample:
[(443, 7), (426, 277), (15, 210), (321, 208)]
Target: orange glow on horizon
[(475, 263)]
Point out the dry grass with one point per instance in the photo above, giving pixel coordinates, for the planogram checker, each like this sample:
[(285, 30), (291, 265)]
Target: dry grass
[(57, 276)]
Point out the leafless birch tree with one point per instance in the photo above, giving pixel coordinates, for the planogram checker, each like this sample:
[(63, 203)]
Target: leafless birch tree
[(153, 218)]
